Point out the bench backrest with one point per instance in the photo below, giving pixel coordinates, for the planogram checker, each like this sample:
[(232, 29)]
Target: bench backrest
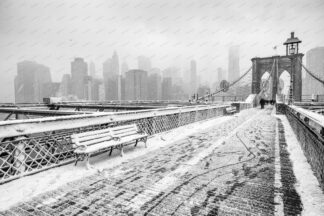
[(123, 131), (97, 136)]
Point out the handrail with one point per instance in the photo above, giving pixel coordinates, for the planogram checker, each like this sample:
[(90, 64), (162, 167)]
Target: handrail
[(30, 126)]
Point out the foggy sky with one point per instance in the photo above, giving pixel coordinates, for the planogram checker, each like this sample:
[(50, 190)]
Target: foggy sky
[(170, 32)]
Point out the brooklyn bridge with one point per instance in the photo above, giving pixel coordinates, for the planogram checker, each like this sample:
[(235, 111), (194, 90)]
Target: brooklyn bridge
[(215, 155)]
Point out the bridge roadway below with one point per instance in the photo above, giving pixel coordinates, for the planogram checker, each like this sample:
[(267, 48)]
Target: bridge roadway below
[(245, 165)]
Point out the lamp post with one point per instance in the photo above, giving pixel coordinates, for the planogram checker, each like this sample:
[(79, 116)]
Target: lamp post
[(291, 50)]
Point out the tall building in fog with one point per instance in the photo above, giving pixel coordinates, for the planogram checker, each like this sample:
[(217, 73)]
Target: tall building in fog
[(31, 81), (166, 88), (314, 63), (124, 68), (79, 78), (233, 63), (112, 78), (144, 63), (65, 86), (92, 69), (136, 85), (154, 87), (193, 77)]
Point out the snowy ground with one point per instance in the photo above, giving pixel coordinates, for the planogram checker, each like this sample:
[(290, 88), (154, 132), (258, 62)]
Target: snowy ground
[(249, 164), (25, 188)]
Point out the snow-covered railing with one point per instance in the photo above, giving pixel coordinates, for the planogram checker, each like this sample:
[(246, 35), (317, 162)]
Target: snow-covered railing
[(32, 145), (309, 130), (312, 119)]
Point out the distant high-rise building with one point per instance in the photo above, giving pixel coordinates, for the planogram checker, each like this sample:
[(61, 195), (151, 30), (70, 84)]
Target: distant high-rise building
[(167, 88), (154, 87), (94, 88), (233, 63), (144, 63), (79, 78), (314, 63), (112, 78), (30, 80), (50, 89), (124, 68), (123, 93), (136, 85), (173, 73), (101, 90), (92, 69), (65, 86), (193, 77)]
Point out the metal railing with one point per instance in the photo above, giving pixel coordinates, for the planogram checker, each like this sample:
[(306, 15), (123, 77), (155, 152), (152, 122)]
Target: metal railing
[(33, 145), (308, 127)]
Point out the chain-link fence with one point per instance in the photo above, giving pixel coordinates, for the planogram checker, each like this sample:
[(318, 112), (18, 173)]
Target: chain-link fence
[(38, 146)]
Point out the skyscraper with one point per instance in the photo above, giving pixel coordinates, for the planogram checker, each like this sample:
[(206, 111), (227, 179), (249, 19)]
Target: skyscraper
[(65, 86), (314, 63), (79, 79), (154, 87), (167, 88), (193, 77), (136, 85), (124, 68), (233, 63), (30, 82), (112, 79), (92, 70)]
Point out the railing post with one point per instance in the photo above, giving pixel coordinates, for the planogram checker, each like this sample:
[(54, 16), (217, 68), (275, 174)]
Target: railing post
[(179, 118), (154, 123), (19, 156)]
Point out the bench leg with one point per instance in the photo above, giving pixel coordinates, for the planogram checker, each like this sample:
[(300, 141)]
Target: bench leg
[(76, 160), (111, 148), (145, 142), (122, 150), (136, 143), (88, 162)]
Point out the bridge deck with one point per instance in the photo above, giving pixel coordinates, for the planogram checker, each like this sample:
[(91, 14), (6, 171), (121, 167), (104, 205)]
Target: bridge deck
[(245, 165)]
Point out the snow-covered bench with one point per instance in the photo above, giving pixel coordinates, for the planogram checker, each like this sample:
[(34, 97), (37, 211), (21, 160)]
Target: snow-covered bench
[(86, 143), (230, 110)]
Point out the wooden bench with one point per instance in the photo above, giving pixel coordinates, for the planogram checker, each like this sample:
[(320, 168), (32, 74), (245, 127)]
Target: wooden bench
[(230, 110), (87, 143)]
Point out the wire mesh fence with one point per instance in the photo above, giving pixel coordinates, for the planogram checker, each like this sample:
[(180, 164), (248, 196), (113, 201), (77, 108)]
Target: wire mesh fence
[(30, 153)]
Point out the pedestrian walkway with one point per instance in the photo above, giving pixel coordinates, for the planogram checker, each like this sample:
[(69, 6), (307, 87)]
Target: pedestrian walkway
[(241, 167)]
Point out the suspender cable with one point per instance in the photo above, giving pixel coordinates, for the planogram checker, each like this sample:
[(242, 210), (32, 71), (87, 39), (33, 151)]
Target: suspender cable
[(233, 83)]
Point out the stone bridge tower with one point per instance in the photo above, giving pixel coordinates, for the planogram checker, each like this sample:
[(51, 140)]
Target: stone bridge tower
[(291, 62)]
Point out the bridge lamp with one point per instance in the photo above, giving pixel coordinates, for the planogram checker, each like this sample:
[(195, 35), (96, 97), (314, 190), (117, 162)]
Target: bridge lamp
[(292, 44)]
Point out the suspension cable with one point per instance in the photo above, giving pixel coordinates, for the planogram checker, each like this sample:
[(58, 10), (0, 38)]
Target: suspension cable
[(233, 83), (310, 73)]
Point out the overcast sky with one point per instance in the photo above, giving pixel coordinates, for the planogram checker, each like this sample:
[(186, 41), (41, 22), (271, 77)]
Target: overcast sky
[(170, 32)]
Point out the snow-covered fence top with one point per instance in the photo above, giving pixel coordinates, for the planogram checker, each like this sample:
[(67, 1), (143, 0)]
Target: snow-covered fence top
[(30, 126), (312, 119)]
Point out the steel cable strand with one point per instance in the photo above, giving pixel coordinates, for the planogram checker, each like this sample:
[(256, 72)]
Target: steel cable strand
[(311, 74), (233, 83)]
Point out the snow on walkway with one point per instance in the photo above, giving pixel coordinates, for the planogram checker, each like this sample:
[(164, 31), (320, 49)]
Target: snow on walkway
[(25, 188)]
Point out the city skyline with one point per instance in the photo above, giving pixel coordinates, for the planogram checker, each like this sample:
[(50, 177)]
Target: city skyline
[(53, 33)]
